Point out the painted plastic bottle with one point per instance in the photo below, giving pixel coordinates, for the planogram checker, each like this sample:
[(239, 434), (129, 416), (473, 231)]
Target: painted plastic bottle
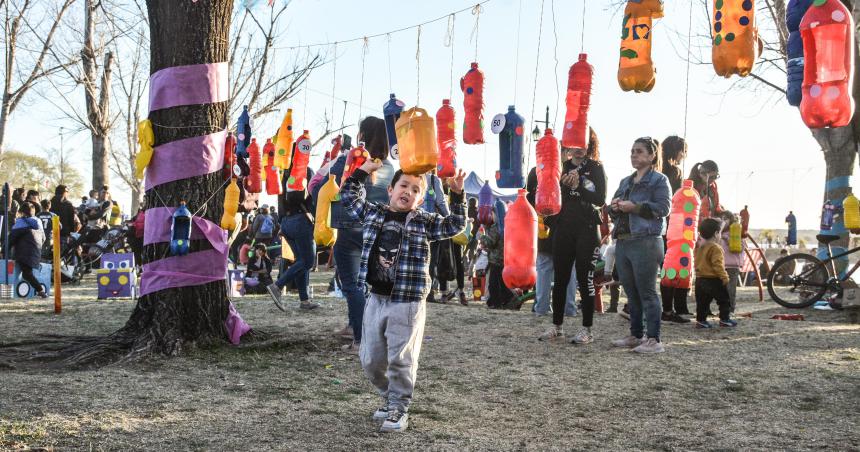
[(243, 133), (284, 142), (681, 237), (229, 155), (472, 85), (145, 139), (273, 174), (827, 30), (301, 157), (635, 67), (446, 140), (356, 157), (254, 183), (324, 234), (416, 141), (511, 173), (391, 112), (485, 205), (735, 241), (851, 209), (180, 231), (520, 244), (548, 169), (578, 101), (794, 48), (736, 45)]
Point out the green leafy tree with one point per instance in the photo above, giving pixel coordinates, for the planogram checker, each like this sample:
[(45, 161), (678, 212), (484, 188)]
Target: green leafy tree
[(36, 172)]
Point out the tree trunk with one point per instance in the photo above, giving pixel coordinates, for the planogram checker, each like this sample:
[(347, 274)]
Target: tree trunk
[(100, 160), (4, 118), (167, 320)]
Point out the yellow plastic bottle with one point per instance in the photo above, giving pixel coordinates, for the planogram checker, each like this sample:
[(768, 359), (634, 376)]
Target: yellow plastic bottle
[(543, 230), (324, 234), (284, 142), (735, 245), (416, 141), (231, 205), (851, 208), (145, 138)]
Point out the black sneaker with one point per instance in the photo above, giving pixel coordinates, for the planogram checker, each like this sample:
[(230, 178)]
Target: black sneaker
[(666, 316), (678, 318)]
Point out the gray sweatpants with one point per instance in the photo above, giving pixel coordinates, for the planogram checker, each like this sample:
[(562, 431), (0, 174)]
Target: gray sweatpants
[(390, 343)]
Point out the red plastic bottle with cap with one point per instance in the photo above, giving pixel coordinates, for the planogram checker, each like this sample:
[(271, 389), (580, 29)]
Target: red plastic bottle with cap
[(520, 244), (229, 155), (254, 183), (273, 175), (548, 169), (827, 30), (301, 157), (446, 140), (579, 81), (356, 157), (472, 85)]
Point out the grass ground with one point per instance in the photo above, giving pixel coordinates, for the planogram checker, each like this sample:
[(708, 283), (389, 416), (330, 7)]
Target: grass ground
[(484, 382)]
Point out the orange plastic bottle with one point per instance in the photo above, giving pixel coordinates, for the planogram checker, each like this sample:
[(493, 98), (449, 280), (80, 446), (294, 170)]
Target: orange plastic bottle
[(548, 195), (273, 174), (356, 157), (635, 68), (579, 81), (231, 206), (254, 182), (472, 85), (284, 143), (416, 141), (301, 157), (520, 244), (681, 237), (446, 140), (735, 46)]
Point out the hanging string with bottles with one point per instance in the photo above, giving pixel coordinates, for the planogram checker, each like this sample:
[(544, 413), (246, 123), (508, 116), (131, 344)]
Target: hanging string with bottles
[(364, 51), (449, 42), (534, 87), (418, 68)]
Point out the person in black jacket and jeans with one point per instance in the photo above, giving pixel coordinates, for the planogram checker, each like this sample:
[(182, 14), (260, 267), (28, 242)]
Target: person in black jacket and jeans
[(576, 237)]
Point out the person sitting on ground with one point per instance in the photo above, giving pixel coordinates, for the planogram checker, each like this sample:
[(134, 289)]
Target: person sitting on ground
[(26, 240), (395, 263), (711, 276), (259, 272)]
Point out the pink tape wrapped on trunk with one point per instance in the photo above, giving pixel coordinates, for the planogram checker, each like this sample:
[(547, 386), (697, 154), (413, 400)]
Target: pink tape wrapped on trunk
[(194, 84), (181, 159)]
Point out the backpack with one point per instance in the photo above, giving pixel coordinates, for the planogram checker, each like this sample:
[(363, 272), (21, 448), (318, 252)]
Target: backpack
[(268, 226)]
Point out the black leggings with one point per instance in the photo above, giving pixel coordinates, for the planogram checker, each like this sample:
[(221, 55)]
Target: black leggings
[(674, 299), (457, 251), (27, 275), (707, 290), (582, 245)]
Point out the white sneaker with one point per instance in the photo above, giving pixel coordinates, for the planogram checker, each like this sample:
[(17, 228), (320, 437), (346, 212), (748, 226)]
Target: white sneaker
[(583, 337), (650, 345), (275, 293), (381, 413), (397, 421), (552, 334), (627, 342)]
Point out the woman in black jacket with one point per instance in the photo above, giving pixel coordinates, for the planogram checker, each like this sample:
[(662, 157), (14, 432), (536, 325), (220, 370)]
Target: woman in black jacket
[(576, 236)]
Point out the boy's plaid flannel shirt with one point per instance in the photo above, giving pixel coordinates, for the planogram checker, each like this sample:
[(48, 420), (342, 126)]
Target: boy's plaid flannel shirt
[(412, 275)]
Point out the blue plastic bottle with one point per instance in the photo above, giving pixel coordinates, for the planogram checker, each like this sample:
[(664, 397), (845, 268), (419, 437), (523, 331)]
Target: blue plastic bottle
[(392, 110), (243, 133), (794, 66), (511, 173)]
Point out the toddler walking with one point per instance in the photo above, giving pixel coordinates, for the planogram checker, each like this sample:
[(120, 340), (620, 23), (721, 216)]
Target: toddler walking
[(711, 276)]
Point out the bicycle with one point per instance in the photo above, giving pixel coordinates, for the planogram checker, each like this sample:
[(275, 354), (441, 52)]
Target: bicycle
[(799, 280)]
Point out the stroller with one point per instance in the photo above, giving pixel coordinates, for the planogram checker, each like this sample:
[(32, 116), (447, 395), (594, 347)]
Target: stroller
[(84, 250)]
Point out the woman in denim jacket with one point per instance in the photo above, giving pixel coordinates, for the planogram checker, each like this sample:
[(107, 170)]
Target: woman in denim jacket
[(639, 209)]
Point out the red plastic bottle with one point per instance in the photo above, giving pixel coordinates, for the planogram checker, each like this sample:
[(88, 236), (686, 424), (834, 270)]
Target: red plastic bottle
[(681, 238), (520, 244), (273, 175), (356, 157), (575, 134), (446, 140), (827, 30), (472, 85), (548, 196), (254, 183), (301, 157), (229, 155)]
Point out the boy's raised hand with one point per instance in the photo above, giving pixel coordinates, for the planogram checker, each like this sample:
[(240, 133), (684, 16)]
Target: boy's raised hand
[(371, 165), (456, 182)]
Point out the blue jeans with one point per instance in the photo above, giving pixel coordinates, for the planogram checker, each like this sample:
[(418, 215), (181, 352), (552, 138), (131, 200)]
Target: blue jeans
[(637, 261), (543, 287), (347, 258), (299, 232)]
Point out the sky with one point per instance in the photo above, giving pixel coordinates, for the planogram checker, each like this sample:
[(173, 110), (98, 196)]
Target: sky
[(767, 157)]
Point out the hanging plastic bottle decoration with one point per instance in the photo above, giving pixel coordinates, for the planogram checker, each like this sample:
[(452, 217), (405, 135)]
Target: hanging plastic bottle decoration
[(356, 157), (485, 205), (229, 155), (180, 231), (472, 85), (548, 169), (794, 49), (681, 237), (273, 174), (231, 206), (391, 112), (735, 237), (416, 141), (511, 174), (851, 209), (284, 142), (635, 68), (579, 81), (324, 235), (446, 140), (736, 44), (243, 133), (520, 245), (827, 30), (146, 139), (543, 230), (254, 182), (301, 157)]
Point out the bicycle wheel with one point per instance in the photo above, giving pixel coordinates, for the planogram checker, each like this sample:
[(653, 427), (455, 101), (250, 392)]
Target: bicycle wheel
[(797, 281)]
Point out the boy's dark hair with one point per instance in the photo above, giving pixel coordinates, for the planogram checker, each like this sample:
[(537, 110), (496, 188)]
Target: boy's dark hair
[(260, 246), (708, 228), (399, 173), (46, 204), (26, 209)]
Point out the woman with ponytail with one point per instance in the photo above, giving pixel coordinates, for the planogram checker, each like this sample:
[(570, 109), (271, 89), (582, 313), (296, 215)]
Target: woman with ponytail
[(704, 176)]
